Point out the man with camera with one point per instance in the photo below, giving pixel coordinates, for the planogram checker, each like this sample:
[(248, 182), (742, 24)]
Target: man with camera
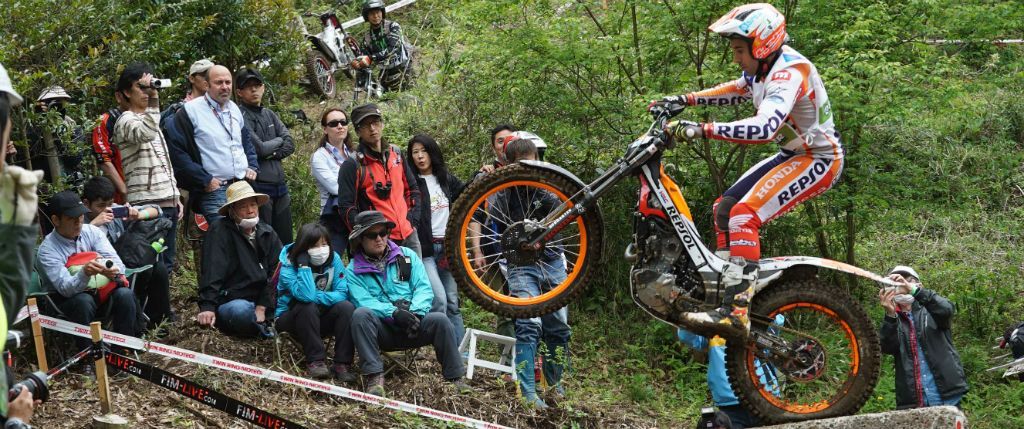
[(378, 178), (146, 162), (211, 148), (132, 230), (392, 295), (77, 262), (18, 202)]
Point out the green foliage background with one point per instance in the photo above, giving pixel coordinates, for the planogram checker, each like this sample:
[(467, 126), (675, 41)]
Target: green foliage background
[(933, 133)]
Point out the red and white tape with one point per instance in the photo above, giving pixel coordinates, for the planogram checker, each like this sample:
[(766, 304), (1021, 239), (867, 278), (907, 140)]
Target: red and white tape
[(241, 368)]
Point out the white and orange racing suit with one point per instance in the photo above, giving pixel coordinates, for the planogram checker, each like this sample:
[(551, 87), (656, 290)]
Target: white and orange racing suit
[(793, 111)]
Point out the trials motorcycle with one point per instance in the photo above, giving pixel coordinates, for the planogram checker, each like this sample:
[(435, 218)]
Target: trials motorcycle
[(823, 362)]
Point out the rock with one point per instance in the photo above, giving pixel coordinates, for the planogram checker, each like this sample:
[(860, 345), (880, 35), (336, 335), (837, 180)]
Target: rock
[(924, 418)]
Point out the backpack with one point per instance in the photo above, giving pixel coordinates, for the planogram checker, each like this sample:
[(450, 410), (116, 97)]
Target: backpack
[(135, 246)]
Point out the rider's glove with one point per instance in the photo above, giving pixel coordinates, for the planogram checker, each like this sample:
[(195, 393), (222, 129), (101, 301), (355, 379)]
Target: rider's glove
[(685, 130), (361, 62), (674, 104)]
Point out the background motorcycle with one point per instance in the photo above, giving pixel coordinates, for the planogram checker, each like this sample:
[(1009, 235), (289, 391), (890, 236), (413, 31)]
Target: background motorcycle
[(331, 51)]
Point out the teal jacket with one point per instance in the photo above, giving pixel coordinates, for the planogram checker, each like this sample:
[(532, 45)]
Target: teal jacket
[(297, 284), (369, 287)]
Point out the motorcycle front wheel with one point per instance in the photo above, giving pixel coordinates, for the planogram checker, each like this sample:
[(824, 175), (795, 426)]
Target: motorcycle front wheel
[(486, 251), (832, 355), (318, 70)]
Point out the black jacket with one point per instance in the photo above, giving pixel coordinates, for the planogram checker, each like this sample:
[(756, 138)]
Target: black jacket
[(232, 268), (271, 139), (424, 229), (932, 315)]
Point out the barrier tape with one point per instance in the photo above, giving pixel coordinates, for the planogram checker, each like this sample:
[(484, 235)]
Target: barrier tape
[(241, 368), (201, 394)]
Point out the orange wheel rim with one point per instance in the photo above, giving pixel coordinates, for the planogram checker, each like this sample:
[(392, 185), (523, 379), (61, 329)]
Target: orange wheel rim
[(480, 284), (808, 408)]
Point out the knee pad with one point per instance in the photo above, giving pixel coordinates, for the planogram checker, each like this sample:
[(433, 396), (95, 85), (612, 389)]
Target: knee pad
[(723, 209)]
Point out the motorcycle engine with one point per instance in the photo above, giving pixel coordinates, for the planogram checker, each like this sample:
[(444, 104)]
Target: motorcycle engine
[(664, 281)]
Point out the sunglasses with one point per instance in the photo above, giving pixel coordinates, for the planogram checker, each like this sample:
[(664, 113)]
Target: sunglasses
[(375, 235), (337, 122)]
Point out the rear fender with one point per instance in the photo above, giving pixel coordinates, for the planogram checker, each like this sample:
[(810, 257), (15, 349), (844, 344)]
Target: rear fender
[(321, 46), (808, 266), (541, 165)]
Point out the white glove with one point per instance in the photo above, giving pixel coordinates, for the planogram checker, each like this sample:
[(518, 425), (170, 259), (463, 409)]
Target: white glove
[(18, 198)]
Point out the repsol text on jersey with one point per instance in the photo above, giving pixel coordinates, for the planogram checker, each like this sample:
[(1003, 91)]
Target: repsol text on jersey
[(752, 132), (722, 101)]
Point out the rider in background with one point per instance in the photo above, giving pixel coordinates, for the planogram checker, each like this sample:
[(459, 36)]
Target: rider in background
[(792, 110), (384, 44)]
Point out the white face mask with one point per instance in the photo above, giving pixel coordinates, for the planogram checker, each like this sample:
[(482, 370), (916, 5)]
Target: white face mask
[(903, 299), (319, 255), (249, 223)]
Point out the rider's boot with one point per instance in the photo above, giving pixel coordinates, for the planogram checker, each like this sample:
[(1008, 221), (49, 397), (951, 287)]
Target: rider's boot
[(738, 278), (526, 356)]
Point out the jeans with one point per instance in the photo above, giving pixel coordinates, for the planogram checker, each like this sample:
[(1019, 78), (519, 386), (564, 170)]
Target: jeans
[(372, 335), (238, 318), (278, 214), (210, 202), (310, 323), (446, 293), (530, 281), (170, 240), (83, 308)]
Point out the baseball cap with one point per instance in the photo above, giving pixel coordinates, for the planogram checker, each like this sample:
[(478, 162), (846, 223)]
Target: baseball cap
[(904, 270), (67, 203), (7, 87), (245, 74), (200, 66), (363, 112)]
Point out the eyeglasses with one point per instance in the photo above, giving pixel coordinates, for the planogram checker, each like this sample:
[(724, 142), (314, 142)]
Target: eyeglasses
[(337, 122), (375, 235)]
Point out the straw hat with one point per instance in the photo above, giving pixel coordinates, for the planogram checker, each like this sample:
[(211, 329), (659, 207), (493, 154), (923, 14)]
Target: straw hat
[(239, 191)]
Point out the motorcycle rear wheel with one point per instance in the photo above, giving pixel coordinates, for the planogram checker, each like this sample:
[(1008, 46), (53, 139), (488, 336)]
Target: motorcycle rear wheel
[(837, 345), (580, 242), (318, 70)]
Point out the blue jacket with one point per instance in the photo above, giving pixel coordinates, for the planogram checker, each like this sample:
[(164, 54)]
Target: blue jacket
[(298, 284), (376, 290)]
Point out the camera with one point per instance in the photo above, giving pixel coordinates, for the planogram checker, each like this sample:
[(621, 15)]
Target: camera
[(120, 212), (160, 83), (35, 383)]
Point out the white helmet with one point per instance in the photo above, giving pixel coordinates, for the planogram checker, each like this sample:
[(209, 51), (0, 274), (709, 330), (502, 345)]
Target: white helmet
[(759, 23), (7, 88)]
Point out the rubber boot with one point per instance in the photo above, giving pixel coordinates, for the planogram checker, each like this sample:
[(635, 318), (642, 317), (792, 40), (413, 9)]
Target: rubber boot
[(731, 319), (556, 359), (525, 357)]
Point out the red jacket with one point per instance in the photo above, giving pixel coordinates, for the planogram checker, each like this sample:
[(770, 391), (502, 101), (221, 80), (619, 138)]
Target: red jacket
[(366, 171)]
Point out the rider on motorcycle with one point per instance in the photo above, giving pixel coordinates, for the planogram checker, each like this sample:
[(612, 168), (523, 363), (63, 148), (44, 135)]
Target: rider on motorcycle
[(384, 44), (792, 110)]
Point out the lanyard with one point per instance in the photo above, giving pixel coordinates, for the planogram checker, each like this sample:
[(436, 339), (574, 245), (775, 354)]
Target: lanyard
[(338, 157), (231, 130)]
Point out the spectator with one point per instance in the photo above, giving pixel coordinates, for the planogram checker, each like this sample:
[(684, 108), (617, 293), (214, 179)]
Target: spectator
[(198, 84), (273, 143), (151, 286), (18, 202), (77, 262), (240, 255), (721, 390), (384, 44), (392, 294), (149, 177), (534, 279), (54, 146), (379, 179), (917, 331), (493, 275), (108, 155), (213, 148), (335, 148), (438, 189), (312, 295)]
